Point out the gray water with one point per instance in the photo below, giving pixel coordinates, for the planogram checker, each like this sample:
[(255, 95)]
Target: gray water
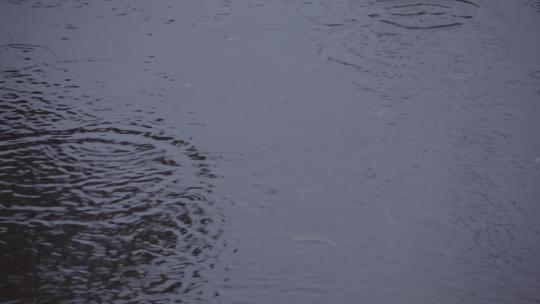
[(347, 151)]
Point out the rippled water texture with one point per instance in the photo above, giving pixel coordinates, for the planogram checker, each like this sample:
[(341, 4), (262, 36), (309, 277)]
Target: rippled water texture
[(270, 151), (94, 210)]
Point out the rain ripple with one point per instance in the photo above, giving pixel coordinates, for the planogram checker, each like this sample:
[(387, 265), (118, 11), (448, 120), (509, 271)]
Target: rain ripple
[(95, 210), (432, 14)]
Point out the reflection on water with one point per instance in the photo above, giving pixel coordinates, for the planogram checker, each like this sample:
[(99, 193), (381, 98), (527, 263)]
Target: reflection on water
[(95, 210)]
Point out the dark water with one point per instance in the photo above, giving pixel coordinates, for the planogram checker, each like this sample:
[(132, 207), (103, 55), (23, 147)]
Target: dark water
[(254, 151), (95, 210)]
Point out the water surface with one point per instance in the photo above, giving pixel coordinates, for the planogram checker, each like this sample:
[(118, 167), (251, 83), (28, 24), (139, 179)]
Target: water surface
[(252, 151)]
